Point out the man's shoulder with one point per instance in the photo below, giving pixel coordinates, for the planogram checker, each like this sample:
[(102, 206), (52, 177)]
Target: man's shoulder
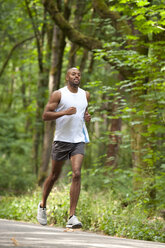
[(81, 90), (57, 92), (84, 91), (63, 89), (56, 95)]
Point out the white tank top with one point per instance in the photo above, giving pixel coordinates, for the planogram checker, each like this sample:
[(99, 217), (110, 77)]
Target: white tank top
[(71, 128)]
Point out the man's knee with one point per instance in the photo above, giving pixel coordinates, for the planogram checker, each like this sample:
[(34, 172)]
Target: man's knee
[(53, 177), (76, 175)]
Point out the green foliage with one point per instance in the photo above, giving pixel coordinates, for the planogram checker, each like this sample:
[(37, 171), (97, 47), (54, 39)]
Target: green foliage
[(140, 61), (18, 98), (16, 172), (16, 175), (20, 208)]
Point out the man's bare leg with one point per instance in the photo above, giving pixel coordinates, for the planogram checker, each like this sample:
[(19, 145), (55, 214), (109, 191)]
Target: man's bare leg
[(76, 161), (51, 179)]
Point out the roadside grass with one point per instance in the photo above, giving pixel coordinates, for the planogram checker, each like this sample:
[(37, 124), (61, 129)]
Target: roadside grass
[(101, 212)]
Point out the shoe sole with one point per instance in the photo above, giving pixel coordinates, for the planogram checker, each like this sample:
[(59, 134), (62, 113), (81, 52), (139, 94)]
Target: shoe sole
[(43, 224), (74, 226)]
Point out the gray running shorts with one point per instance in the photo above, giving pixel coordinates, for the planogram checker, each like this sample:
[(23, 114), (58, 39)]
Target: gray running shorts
[(64, 150)]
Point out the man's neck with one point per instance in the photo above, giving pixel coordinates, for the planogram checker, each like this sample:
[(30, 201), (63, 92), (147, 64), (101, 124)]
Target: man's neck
[(72, 89)]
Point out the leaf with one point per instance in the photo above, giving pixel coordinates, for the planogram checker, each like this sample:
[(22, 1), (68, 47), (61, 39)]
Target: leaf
[(162, 166), (15, 242)]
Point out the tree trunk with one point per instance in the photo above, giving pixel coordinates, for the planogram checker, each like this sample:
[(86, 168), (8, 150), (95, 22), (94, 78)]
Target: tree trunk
[(58, 45), (138, 152), (116, 126), (144, 149), (38, 127), (83, 60), (114, 138), (72, 55), (79, 12)]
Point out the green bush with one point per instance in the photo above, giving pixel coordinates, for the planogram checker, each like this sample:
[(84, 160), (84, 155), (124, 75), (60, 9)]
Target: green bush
[(16, 175), (20, 208), (16, 167)]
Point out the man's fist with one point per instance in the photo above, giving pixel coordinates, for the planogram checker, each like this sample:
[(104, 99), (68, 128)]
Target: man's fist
[(70, 111), (87, 116)]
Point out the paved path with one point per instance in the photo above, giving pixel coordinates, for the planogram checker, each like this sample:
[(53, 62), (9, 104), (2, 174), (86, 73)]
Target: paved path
[(13, 233)]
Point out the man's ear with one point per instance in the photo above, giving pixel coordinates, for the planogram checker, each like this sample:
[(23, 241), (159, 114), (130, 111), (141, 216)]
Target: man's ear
[(67, 77)]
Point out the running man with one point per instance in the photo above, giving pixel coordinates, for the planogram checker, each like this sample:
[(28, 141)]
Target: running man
[(68, 106)]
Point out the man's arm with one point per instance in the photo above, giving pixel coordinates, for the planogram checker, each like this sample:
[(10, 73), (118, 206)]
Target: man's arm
[(49, 113), (87, 116)]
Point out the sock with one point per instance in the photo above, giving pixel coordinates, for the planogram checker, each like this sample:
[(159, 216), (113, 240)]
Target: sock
[(70, 217), (42, 207)]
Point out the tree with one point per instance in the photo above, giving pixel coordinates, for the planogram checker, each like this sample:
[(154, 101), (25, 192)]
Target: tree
[(57, 52)]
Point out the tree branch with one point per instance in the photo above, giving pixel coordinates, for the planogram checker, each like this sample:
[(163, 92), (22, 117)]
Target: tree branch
[(11, 52), (39, 39), (102, 9), (36, 31), (74, 35)]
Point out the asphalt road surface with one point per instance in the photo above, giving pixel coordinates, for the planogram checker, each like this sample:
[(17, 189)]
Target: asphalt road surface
[(14, 233)]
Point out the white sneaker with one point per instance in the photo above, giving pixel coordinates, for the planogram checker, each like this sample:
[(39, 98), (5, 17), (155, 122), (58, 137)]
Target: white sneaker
[(41, 215), (73, 222)]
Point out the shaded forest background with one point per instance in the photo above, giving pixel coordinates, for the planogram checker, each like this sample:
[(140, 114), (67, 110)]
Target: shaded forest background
[(119, 48)]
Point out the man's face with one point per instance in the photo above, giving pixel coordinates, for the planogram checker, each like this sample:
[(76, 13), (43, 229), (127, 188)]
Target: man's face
[(73, 77)]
